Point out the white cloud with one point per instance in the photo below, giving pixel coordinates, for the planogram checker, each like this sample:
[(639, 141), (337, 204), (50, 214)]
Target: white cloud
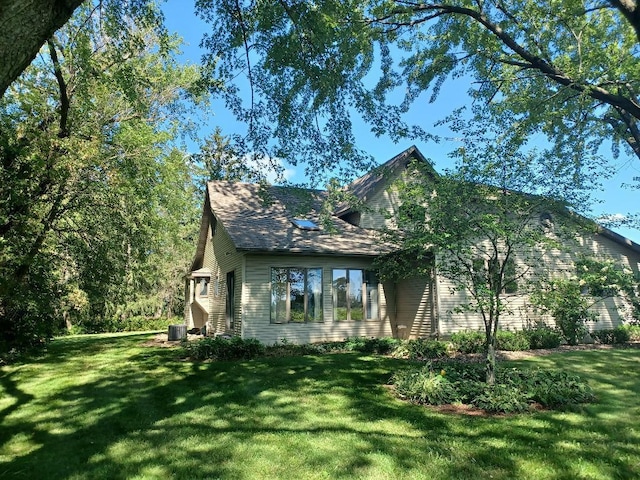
[(612, 218), (274, 169)]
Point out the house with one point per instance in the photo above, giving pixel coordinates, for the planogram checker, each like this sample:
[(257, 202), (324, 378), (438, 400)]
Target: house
[(268, 266)]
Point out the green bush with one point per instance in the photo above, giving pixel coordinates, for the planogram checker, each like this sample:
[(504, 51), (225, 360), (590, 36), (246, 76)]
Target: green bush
[(29, 318), (612, 336), (380, 346), (502, 398), (634, 332), (220, 348), (512, 341), (564, 300), (550, 388), (468, 378), (515, 389), (543, 336), (287, 349), (460, 371), (468, 342), (425, 386), (421, 348), (129, 324)]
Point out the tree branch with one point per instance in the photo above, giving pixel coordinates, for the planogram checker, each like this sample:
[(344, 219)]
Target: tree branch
[(629, 9), (531, 60), (62, 87)]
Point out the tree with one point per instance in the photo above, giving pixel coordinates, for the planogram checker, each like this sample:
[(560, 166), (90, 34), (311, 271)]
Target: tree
[(569, 299), (488, 225), (85, 165), (25, 26), (218, 160), (566, 69)]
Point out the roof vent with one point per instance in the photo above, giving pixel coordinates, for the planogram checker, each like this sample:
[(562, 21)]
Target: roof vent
[(304, 224)]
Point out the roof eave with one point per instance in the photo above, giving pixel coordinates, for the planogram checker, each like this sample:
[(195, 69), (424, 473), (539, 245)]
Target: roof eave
[(619, 239)]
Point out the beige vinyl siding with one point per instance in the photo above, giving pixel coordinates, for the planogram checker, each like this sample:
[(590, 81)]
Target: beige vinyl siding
[(383, 204), (381, 208), (221, 257), (610, 312), (414, 308), (257, 302)]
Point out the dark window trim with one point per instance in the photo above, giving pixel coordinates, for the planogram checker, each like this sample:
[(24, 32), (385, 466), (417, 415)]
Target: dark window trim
[(306, 270), (366, 274)]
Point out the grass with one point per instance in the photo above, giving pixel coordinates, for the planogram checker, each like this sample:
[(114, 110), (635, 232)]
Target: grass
[(108, 407)]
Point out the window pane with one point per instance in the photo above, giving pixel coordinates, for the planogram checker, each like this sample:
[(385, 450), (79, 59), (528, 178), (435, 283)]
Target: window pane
[(296, 285), (479, 274), (314, 295), (372, 295), (204, 284), (339, 294), (356, 307), (511, 285), (279, 295)]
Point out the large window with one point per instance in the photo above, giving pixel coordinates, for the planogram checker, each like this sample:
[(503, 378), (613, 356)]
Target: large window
[(296, 295), (483, 269), (355, 295)]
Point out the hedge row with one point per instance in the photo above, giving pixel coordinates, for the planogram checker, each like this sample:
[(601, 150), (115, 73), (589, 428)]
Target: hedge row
[(235, 348)]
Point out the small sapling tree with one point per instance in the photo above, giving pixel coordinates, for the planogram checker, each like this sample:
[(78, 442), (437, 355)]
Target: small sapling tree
[(488, 236), (569, 300)]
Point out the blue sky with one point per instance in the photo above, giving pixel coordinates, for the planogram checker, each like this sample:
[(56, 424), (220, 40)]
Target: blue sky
[(615, 200)]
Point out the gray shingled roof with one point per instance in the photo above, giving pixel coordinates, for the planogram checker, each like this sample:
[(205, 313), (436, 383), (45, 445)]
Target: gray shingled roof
[(260, 219)]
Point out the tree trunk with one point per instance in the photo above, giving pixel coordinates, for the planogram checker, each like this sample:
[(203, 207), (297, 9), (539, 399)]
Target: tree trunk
[(24, 27), (491, 363), (491, 332)]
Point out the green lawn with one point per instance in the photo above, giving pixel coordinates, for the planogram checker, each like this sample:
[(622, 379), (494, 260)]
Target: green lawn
[(109, 407)]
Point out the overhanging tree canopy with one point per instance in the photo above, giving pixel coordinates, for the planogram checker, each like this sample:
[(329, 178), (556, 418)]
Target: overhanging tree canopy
[(567, 69), (25, 25)]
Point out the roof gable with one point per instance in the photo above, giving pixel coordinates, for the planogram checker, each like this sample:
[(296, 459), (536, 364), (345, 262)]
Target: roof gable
[(364, 187)]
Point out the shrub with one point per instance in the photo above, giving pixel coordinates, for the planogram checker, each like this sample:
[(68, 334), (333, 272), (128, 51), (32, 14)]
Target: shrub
[(512, 341), (468, 378), (612, 336), (425, 386), (564, 300), (515, 389), (130, 324), (502, 398), (459, 371), (421, 348), (552, 388), (543, 336), (287, 349), (219, 348), (634, 332), (468, 342), (381, 346)]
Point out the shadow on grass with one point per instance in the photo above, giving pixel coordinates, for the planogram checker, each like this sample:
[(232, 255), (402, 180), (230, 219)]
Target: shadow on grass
[(146, 414)]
